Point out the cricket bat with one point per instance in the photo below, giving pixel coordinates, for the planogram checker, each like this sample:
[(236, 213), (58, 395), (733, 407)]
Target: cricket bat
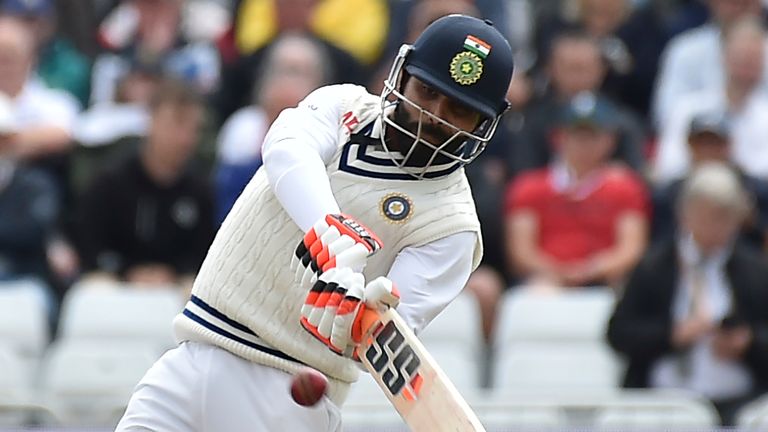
[(419, 390)]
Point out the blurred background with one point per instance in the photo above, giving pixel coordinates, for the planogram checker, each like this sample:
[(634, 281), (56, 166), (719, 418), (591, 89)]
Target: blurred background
[(623, 201)]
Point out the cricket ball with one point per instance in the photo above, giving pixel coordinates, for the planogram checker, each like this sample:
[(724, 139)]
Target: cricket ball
[(308, 387)]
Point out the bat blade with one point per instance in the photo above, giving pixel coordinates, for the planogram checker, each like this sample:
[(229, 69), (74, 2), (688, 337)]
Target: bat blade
[(412, 380)]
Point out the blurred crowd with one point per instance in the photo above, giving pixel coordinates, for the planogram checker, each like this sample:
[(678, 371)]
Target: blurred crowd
[(634, 157)]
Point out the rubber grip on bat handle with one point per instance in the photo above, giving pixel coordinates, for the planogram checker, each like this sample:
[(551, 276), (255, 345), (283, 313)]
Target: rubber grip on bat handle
[(368, 320)]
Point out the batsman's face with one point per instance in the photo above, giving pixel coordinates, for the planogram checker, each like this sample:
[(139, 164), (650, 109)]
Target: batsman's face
[(433, 131), (440, 105)]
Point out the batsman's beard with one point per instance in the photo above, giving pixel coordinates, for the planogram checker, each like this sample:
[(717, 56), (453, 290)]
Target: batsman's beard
[(422, 154)]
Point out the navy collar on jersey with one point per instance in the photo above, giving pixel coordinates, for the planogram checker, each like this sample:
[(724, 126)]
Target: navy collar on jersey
[(364, 155)]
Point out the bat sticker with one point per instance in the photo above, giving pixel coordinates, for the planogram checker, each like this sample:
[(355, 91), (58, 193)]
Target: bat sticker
[(395, 361)]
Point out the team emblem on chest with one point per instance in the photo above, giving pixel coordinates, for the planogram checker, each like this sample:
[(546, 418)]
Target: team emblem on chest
[(396, 208)]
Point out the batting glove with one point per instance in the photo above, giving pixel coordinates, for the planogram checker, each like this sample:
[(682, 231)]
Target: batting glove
[(334, 241), (334, 307)]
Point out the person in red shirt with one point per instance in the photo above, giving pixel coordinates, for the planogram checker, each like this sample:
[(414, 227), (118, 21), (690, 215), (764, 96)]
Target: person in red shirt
[(583, 221)]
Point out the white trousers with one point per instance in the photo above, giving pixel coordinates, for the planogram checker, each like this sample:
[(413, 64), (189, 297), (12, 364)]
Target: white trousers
[(202, 388)]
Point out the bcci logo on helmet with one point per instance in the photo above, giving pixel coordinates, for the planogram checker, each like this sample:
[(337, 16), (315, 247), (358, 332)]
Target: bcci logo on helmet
[(466, 68)]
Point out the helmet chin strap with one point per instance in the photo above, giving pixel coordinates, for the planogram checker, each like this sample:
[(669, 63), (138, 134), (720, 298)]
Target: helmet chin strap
[(419, 157)]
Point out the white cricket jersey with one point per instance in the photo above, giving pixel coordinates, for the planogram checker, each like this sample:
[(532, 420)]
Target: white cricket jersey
[(321, 157)]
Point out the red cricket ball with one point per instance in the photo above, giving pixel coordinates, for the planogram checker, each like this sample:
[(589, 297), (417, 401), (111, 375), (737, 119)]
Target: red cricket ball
[(308, 387)]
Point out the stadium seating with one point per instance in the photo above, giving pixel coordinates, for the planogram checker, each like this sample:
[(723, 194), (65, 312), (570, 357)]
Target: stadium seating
[(521, 418), (109, 335), (18, 398), (458, 324), (754, 415), (656, 410), (554, 341), (533, 365), (24, 318), (89, 383), (455, 340), (106, 310), (579, 315), (24, 334), (604, 410), (15, 376)]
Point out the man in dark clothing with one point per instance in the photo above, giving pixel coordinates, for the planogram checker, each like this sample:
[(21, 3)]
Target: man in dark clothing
[(239, 71), (693, 311), (29, 208), (709, 140), (575, 66), (149, 219), (631, 39)]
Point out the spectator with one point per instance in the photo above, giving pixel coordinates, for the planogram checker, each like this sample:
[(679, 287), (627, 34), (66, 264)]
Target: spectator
[(631, 39), (693, 61), (28, 212), (29, 209), (425, 12), (259, 22), (43, 117), (411, 18), (294, 66), (693, 311), (40, 133), (108, 130), (59, 64), (575, 66), (107, 122), (684, 15), (512, 17), (744, 55), (520, 20), (709, 140), (583, 220), (122, 21), (156, 32), (149, 218), (78, 22)]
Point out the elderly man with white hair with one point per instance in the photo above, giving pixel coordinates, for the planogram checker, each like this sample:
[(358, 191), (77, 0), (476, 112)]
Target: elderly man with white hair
[(742, 98), (693, 311), (693, 61)]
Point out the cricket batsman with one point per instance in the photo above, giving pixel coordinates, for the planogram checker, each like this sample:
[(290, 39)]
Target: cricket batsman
[(362, 202)]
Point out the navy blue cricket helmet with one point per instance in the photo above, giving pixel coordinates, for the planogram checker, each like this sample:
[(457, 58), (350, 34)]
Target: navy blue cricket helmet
[(466, 59)]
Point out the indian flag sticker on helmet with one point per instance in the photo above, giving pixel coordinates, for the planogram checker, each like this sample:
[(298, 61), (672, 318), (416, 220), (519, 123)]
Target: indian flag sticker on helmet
[(477, 46), (466, 68)]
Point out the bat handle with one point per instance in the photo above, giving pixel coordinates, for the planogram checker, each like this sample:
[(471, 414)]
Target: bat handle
[(365, 323), (369, 319)]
